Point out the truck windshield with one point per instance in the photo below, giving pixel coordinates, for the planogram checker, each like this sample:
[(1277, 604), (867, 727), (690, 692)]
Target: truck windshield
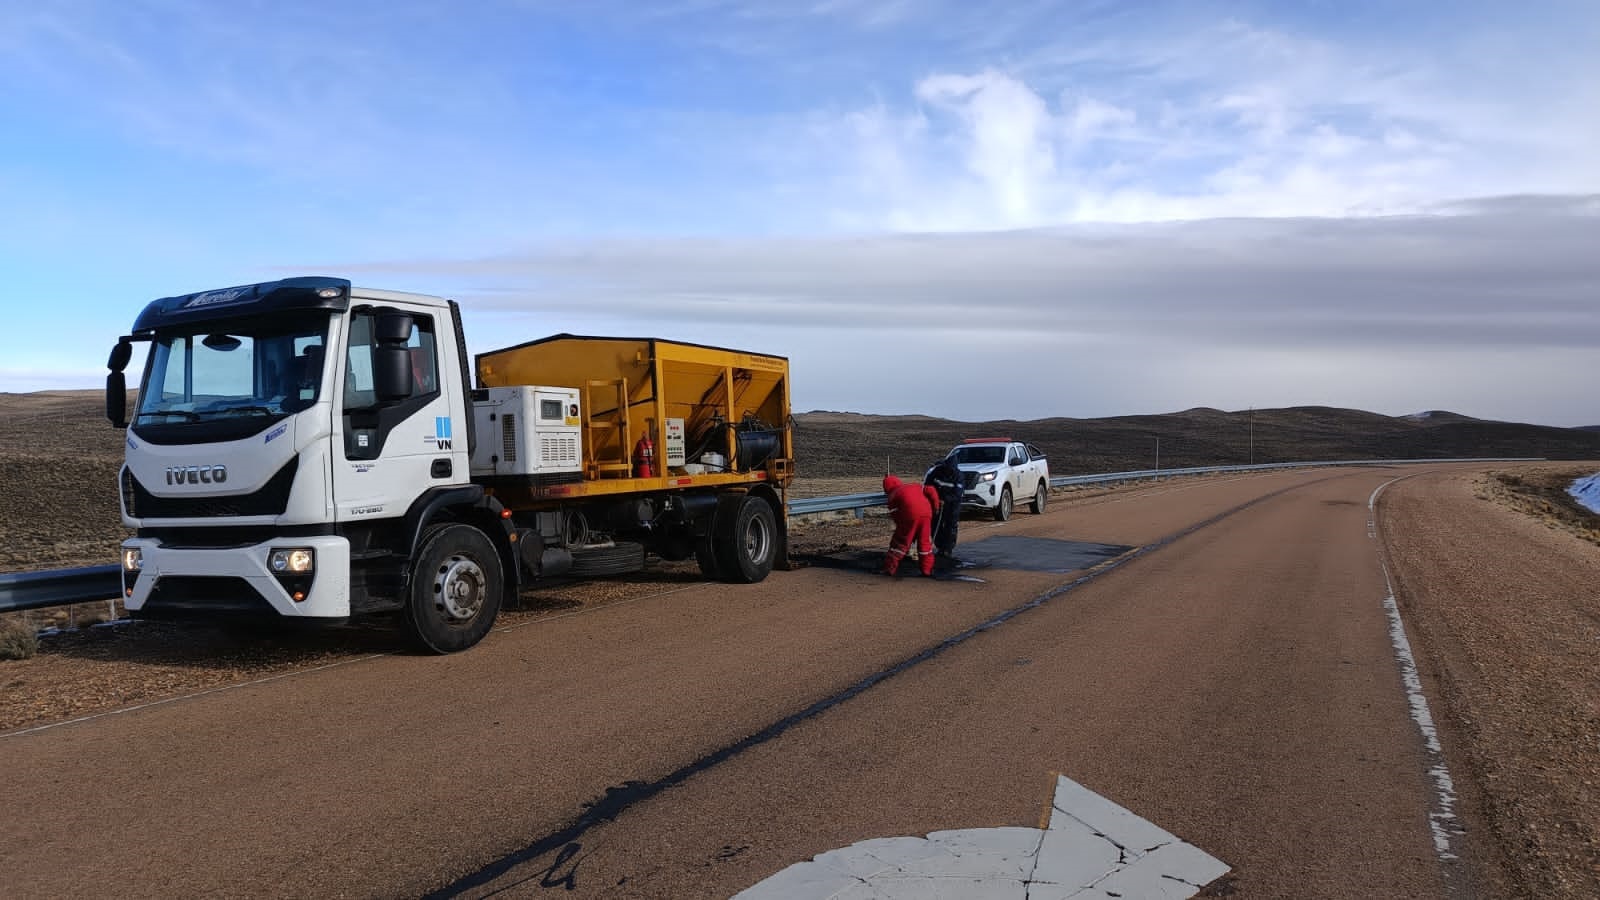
[(979, 455), (233, 370)]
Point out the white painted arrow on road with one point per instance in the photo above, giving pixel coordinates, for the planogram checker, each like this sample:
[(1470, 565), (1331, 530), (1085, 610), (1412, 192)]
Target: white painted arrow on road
[(1093, 849)]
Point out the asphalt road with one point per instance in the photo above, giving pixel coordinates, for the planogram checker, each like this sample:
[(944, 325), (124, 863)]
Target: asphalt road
[(1232, 680)]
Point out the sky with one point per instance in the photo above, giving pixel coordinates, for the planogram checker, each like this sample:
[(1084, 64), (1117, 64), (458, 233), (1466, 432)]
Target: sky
[(974, 211)]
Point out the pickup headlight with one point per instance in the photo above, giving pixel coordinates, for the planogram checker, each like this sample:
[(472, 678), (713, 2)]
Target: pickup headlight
[(987, 476), (132, 559)]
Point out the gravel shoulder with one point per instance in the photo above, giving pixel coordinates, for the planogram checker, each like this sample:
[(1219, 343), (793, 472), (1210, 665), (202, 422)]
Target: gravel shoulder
[(1499, 583)]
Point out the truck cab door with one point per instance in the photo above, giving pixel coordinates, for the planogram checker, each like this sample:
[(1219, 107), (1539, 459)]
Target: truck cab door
[(389, 449)]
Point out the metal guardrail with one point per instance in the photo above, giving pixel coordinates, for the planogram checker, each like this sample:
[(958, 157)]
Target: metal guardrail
[(811, 505), (61, 587)]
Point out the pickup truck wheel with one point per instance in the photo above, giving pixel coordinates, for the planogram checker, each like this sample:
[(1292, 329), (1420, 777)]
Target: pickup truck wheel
[(1002, 510), (455, 591), (746, 542), (1040, 494)]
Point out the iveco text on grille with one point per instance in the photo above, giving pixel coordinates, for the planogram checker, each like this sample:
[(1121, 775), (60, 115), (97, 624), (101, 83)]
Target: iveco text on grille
[(197, 474)]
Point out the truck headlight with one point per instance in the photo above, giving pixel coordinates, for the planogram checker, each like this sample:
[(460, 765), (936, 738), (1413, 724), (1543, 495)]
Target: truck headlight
[(132, 559), (295, 561), (987, 476)]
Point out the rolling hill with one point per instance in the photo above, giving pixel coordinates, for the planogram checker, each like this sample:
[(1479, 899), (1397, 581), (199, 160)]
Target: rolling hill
[(835, 444)]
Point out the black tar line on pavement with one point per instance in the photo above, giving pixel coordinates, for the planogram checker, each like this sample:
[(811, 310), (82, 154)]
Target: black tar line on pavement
[(618, 799)]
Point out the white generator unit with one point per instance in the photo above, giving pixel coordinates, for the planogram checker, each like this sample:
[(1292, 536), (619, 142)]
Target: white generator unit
[(527, 430)]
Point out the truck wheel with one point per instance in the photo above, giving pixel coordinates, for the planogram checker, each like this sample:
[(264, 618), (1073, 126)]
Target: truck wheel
[(705, 553), (1040, 493), (455, 591), (620, 559), (746, 543), (1002, 510)]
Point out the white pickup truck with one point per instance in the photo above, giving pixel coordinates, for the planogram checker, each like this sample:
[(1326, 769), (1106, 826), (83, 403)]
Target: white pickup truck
[(995, 471)]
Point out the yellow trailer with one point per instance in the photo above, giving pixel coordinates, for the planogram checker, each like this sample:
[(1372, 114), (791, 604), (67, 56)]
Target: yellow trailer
[(609, 447)]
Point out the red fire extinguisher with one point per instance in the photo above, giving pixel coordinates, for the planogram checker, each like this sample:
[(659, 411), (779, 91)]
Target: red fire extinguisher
[(644, 458)]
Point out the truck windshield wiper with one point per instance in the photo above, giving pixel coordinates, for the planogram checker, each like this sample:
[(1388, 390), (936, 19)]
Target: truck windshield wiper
[(190, 415), (262, 410)]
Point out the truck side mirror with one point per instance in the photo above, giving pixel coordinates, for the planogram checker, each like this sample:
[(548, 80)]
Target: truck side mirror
[(393, 326), (391, 360), (391, 372), (117, 399), (117, 384)]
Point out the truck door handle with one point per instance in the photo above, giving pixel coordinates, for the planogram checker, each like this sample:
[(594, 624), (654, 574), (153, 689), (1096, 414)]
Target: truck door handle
[(441, 468)]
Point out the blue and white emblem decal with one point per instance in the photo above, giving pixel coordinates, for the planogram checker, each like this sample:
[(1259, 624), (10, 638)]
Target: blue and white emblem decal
[(276, 433), (441, 432)]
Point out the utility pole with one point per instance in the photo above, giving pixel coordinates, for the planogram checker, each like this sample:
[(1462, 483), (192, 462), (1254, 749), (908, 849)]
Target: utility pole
[(1158, 459), (1252, 435)]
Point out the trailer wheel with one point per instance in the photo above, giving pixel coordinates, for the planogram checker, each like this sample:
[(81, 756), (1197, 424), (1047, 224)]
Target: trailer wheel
[(455, 590), (746, 542), (1002, 510), (1040, 494), (620, 559)]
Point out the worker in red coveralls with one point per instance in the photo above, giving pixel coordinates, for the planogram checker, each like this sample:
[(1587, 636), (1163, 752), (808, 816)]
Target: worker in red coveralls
[(912, 507)]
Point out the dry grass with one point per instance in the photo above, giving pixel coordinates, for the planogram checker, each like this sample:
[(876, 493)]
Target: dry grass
[(18, 639), (1542, 493)]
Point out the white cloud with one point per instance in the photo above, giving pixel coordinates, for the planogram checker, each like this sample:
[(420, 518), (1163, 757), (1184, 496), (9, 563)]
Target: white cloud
[(1007, 135), (1092, 119), (1234, 119)]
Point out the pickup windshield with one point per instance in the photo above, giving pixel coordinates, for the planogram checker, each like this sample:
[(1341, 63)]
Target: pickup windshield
[(990, 454), (237, 370)]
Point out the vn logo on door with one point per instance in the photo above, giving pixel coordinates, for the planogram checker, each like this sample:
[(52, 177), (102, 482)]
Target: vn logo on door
[(441, 432)]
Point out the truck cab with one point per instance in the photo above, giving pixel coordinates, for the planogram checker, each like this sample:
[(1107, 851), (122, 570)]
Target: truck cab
[(293, 443), (996, 471)]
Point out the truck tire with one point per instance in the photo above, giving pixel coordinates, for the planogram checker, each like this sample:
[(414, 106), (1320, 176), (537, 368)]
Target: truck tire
[(1002, 509), (620, 559), (1040, 494), (455, 589), (705, 553), (746, 542)]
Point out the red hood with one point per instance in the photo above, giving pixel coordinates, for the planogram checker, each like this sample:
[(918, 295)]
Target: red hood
[(891, 482)]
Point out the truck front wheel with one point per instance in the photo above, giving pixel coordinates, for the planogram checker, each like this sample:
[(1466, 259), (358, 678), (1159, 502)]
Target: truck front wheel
[(455, 590), (1002, 509)]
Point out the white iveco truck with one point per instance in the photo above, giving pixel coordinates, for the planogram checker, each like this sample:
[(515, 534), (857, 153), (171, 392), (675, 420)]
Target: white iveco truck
[(302, 449)]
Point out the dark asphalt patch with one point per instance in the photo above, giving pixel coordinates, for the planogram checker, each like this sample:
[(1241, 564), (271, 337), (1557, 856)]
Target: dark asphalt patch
[(998, 552), (1037, 554), (869, 562)]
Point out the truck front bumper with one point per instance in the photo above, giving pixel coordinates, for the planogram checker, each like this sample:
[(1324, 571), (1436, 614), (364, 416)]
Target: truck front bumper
[(203, 580)]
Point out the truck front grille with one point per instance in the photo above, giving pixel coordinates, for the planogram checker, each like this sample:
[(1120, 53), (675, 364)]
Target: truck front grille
[(969, 480), (271, 500)]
